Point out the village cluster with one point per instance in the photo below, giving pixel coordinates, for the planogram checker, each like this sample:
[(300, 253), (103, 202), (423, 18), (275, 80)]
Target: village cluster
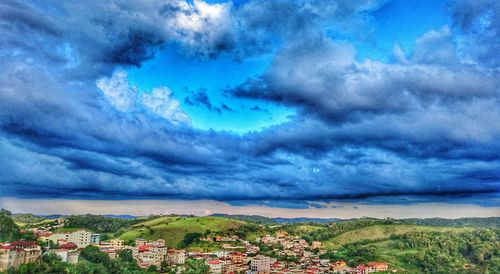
[(235, 256)]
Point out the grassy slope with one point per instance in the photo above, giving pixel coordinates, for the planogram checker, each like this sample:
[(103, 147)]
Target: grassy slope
[(173, 229), (379, 232)]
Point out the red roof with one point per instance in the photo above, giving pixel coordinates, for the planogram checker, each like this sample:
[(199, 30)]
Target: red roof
[(213, 261), (143, 248), (377, 264), (69, 245), (23, 243)]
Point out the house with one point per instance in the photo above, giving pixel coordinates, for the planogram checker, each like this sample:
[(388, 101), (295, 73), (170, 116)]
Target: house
[(67, 252), (176, 256), (215, 266), (149, 253), (315, 244), (261, 264), (117, 244), (140, 242), (237, 257), (281, 234), (378, 266), (80, 237), (95, 238)]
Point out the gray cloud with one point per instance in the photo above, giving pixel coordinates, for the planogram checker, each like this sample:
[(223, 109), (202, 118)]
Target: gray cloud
[(427, 123)]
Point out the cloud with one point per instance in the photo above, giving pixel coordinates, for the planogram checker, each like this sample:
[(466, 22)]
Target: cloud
[(200, 98), (118, 91), (480, 22), (161, 102), (126, 98), (203, 29), (72, 125)]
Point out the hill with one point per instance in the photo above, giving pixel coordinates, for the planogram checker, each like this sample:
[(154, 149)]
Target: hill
[(27, 218), (383, 231), (173, 229)]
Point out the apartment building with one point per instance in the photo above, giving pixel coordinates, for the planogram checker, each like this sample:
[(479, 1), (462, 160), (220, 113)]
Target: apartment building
[(17, 253)]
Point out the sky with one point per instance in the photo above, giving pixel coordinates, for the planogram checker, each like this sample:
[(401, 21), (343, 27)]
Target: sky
[(251, 103)]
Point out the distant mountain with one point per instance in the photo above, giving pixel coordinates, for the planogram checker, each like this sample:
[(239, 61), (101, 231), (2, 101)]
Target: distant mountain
[(123, 216), (53, 216), (306, 220), (248, 218), (266, 220)]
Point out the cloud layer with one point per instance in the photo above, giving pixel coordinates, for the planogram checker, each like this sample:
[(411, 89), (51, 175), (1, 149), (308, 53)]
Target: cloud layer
[(71, 124)]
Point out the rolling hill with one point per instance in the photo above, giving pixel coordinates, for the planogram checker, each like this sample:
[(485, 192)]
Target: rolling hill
[(173, 229), (381, 232)]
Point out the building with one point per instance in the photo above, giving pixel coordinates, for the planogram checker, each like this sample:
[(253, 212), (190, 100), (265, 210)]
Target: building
[(80, 237), (281, 234), (261, 264), (315, 244), (17, 253), (149, 255), (95, 238), (378, 266), (157, 243), (176, 257), (117, 244), (67, 252), (237, 257), (215, 266), (140, 242)]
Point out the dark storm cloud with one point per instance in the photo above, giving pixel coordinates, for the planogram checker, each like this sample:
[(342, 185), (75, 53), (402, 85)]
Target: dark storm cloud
[(424, 124), (200, 98)]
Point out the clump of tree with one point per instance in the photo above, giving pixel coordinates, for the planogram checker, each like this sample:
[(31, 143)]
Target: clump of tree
[(100, 224), (196, 267), (490, 222), (8, 228), (189, 238)]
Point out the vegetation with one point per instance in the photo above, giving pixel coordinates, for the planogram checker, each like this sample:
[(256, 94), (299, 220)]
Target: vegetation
[(27, 218), (8, 229), (100, 224), (469, 251), (492, 222), (380, 232), (468, 245), (196, 267), (174, 229)]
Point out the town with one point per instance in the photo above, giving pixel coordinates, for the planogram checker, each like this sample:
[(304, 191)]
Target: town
[(290, 254)]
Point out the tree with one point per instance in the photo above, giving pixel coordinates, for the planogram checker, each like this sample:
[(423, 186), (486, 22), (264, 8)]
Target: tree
[(94, 255), (189, 239), (152, 268), (196, 267), (9, 231), (126, 255)]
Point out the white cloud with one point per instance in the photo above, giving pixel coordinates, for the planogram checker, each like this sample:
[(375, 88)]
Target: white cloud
[(201, 27), (126, 98), (118, 91), (161, 103)]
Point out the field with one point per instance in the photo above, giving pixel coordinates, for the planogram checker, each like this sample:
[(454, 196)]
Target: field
[(173, 229)]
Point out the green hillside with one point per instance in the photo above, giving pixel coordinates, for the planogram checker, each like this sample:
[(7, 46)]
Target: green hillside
[(384, 231), (173, 229)]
